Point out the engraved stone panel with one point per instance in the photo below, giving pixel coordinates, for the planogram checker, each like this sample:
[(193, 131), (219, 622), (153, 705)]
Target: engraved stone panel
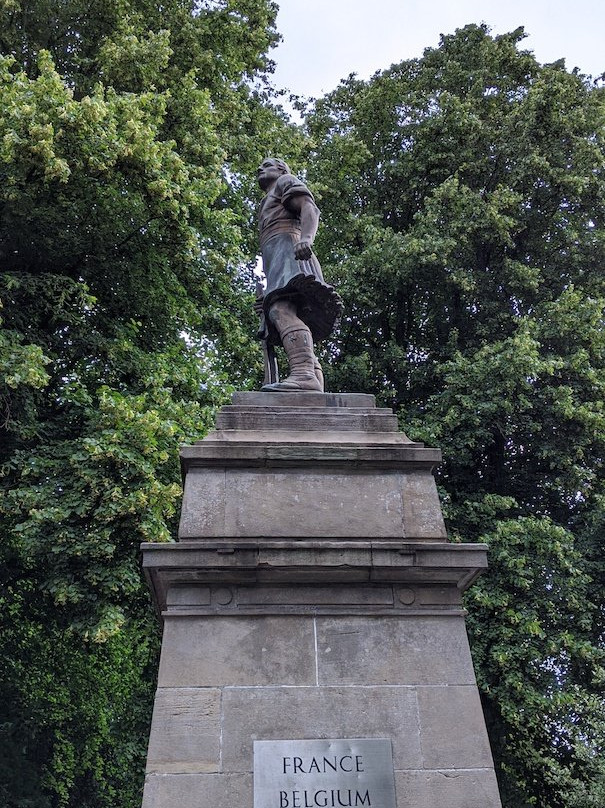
[(324, 773)]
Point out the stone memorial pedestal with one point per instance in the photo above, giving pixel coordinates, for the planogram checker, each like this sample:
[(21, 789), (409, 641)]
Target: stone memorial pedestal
[(312, 595)]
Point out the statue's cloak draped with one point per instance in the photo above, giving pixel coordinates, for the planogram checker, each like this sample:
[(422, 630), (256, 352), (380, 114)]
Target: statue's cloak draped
[(317, 303)]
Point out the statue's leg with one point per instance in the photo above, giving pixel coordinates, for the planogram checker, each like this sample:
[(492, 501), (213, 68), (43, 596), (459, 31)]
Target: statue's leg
[(298, 345)]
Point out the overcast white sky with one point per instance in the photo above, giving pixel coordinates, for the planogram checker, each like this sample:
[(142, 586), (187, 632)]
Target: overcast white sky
[(325, 40)]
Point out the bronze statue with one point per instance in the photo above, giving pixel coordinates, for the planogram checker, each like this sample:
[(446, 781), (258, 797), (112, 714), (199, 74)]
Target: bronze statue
[(298, 306)]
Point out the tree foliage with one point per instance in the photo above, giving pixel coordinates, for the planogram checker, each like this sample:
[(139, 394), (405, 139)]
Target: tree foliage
[(463, 201), (128, 131), (463, 197)]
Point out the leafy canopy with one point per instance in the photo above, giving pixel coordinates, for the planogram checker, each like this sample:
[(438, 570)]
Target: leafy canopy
[(463, 197), (128, 134)]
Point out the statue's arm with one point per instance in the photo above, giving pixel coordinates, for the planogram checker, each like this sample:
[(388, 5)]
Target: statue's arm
[(308, 212)]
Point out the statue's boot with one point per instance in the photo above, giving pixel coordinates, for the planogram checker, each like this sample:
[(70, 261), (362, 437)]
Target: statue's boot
[(298, 346)]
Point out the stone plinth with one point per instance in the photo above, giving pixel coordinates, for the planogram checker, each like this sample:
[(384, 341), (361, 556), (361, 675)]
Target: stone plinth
[(311, 465), (312, 595)]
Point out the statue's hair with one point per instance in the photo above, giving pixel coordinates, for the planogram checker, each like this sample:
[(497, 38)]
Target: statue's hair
[(283, 166)]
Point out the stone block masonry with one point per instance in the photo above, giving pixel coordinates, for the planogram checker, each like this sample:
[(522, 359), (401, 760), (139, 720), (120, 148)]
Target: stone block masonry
[(312, 595)]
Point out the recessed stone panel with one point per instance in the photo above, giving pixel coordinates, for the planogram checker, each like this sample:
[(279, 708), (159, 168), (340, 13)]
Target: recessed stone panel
[(297, 502), (301, 594)]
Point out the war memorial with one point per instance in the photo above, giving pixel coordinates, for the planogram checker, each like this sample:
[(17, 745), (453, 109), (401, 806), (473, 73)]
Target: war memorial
[(314, 648)]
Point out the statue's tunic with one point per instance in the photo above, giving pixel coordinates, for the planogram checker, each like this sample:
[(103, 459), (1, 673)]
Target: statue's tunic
[(317, 303)]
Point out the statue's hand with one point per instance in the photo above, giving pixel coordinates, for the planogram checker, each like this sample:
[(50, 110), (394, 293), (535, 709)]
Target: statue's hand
[(302, 250)]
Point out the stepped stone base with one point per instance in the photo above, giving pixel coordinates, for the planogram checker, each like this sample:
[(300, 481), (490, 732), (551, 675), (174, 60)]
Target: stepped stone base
[(309, 465), (312, 595)]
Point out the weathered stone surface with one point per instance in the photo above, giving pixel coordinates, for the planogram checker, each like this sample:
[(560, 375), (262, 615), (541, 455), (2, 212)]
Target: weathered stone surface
[(185, 731), (194, 573), (204, 504), (303, 594), (214, 652), (312, 595), (385, 650), (329, 418), (312, 454), (278, 434), (422, 517), (432, 595), (198, 791), (291, 503), (310, 503), (452, 728), (448, 788), (314, 419), (314, 504), (291, 713), (322, 556), (309, 465), (187, 595), (304, 399)]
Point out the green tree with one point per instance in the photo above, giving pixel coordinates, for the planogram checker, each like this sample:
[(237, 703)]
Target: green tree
[(463, 196), (128, 130)]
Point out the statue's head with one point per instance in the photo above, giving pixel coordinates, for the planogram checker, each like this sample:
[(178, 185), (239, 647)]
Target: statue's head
[(270, 170)]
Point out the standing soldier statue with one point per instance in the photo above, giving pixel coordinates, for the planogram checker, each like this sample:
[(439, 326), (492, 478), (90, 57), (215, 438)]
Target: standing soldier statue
[(298, 307)]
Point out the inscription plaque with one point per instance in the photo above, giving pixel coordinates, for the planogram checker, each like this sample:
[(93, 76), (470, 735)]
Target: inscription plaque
[(343, 773)]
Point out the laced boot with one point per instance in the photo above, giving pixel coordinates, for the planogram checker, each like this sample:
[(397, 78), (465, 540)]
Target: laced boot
[(298, 346)]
